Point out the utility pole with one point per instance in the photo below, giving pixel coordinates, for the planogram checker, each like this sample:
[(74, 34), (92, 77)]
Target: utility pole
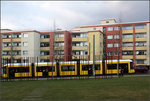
[(119, 46), (93, 55), (89, 50)]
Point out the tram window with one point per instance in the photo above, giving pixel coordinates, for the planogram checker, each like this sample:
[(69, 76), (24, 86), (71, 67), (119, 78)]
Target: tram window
[(123, 65), (71, 68), (112, 66), (22, 69), (39, 69), (97, 67), (131, 65), (85, 67), (51, 68), (68, 68), (64, 68), (42, 68)]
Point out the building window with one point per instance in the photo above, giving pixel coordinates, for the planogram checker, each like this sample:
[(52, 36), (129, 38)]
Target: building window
[(6, 44), (116, 37), (116, 53), (25, 44), (94, 28), (140, 26), (6, 36), (109, 45), (140, 61), (128, 36), (59, 44), (116, 45), (110, 37), (80, 44), (59, 52), (117, 28), (59, 35), (17, 61), (107, 21), (16, 52), (140, 52), (44, 53), (6, 52), (25, 35), (16, 35), (140, 35), (16, 44), (127, 27), (78, 35), (44, 36), (83, 52), (84, 35), (25, 52), (79, 52), (127, 52), (44, 60), (110, 29), (110, 53), (44, 44), (128, 44), (140, 44)]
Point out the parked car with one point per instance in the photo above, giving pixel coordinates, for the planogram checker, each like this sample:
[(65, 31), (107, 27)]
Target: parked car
[(141, 68)]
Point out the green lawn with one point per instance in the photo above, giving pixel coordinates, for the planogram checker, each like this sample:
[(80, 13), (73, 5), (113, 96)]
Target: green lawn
[(121, 89)]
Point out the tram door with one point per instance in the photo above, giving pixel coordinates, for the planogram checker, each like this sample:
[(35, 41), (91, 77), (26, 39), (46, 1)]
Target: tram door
[(90, 70), (45, 72), (125, 67), (11, 72)]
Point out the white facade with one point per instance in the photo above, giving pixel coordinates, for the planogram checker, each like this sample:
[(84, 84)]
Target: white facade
[(30, 45)]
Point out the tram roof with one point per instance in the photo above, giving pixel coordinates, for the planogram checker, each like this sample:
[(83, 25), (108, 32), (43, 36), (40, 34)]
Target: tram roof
[(68, 62)]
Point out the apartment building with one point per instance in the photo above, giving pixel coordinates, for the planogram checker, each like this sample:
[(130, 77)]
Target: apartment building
[(18, 46), (83, 43), (55, 46), (124, 40), (21, 46)]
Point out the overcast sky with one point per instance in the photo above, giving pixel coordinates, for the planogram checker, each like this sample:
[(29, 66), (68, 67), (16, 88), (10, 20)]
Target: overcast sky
[(38, 15)]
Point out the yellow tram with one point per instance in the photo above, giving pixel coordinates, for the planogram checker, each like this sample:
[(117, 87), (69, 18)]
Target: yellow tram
[(70, 68)]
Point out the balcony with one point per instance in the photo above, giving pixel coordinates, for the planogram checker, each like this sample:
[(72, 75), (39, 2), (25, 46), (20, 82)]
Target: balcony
[(140, 56), (140, 39), (127, 48), (127, 56), (16, 48), (44, 48), (79, 39), (80, 57), (59, 48), (140, 30), (6, 56), (127, 31), (59, 57), (141, 48), (17, 56), (6, 48), (44, 40), (59, 39), (127, 40), (16, 40), (79, 48), (44, 57), (6, 40)]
